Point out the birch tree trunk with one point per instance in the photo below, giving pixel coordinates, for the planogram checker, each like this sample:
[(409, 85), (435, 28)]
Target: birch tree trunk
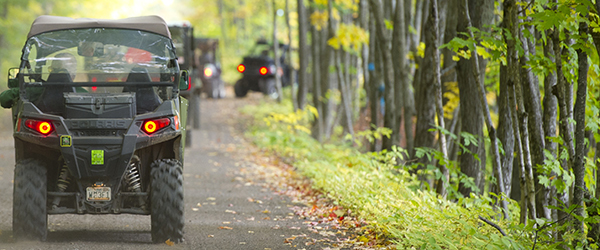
[(579, 113), (506, 132), (519, 117), (531, 96), (564, 127), (566, 130), (432, 39), (550, 116)]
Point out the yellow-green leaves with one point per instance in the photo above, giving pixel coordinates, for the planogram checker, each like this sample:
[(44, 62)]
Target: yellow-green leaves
[(293, 122), (319, 19), (350, 37)]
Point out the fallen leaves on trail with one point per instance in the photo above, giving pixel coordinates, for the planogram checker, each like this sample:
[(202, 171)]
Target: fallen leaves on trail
[(226, 227), (169, 242), (331, 225)]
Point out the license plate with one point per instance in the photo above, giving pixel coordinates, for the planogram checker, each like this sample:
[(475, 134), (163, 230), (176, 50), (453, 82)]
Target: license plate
[(98, 194)]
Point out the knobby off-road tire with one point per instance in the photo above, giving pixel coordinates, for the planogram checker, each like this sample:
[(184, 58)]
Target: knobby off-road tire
[(166, 196), (240, 89), (30, 218), (267, 87)]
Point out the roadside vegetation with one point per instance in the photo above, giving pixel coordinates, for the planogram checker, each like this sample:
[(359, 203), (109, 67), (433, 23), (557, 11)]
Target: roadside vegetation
[(379, 190)]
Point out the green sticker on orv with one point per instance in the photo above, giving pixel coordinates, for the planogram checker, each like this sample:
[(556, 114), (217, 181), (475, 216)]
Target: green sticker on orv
[(97, 157)]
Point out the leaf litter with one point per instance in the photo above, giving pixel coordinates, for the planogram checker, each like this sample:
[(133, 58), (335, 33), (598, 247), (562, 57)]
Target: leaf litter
[(330, 224)]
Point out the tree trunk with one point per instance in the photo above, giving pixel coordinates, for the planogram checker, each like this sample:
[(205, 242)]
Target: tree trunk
[(326, 83), (550, 116), (302, 54), (399, 59), (276, 54), (449, 75), (579, 115), (389, 120), (408, 13), (288, 58), (531, 95), (345, 92), (594, 232), (318, 125), (471, 123), (363, 19), (432, 40), (519, 116), (426, 95), (374, 82), (505, 132), (566, 130), (496, 165)]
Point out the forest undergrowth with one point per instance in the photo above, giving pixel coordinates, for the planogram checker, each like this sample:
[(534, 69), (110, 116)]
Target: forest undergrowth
[(383, 192)]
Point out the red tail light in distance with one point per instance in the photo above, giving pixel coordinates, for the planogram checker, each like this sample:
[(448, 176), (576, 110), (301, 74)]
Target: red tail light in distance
[(241, 68), (263, 70)]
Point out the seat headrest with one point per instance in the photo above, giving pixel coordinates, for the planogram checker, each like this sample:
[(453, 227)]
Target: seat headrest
[(138, 75), (61, 76)]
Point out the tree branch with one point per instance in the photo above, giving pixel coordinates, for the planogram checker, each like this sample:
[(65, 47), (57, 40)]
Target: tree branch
[(489, 222)]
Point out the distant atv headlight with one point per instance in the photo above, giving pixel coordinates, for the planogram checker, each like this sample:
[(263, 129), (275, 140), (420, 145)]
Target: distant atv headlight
[(210, 70)]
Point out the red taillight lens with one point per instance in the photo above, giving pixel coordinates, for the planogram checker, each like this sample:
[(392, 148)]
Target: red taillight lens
[(42, 127), (189, 82), (263, 70), (241, 68), (208, 72), (151, 126)]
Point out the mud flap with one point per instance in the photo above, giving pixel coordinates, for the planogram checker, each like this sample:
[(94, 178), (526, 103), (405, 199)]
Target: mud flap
[(186, 137)]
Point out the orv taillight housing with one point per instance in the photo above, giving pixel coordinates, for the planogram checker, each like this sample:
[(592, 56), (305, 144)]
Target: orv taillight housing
[(42, 127), (154, 125)]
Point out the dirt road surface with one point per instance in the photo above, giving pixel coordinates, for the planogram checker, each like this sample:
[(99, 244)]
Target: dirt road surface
[(224, 208)]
